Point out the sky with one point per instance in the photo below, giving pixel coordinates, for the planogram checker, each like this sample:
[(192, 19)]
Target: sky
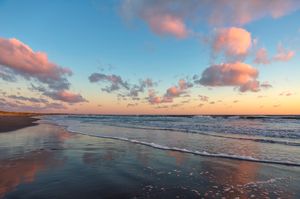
[(150, 57)]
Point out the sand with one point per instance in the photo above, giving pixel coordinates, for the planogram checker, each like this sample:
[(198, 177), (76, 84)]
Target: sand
[(45, 161), (13, 122)]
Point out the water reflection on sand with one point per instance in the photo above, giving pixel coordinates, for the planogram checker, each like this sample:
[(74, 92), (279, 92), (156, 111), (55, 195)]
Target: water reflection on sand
[(15, 172), (27, 152)]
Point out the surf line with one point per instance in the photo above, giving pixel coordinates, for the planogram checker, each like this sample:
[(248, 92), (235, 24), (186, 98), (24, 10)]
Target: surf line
[(204, 153), (267, 141)]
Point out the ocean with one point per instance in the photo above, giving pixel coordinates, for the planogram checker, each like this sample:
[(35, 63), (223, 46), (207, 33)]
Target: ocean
[(266, 139)]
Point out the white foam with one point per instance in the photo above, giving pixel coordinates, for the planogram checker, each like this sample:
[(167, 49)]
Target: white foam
[(272, 180)]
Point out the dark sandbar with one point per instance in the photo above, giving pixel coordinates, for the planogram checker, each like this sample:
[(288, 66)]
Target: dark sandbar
[(13, 122)]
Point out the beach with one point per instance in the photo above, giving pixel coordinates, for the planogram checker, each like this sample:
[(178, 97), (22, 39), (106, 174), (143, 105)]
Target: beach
[(150, 99), (48, 161)]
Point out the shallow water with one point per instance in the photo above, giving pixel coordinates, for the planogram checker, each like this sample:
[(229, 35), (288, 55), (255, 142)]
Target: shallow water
[(45, 161), (273, 139)]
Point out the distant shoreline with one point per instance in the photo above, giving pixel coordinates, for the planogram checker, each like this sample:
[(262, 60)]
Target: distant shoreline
[(253, 116)]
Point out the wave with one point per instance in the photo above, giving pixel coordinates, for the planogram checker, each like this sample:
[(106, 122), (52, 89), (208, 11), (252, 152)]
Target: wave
[(262, 140), (264, 117), (146, 125), (183, 150)]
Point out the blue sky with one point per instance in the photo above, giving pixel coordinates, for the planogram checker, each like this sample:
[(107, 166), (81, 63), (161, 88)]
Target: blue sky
[(94, 36)]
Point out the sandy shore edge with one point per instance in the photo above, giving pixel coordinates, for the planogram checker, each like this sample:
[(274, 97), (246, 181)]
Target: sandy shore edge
[(15, 122)]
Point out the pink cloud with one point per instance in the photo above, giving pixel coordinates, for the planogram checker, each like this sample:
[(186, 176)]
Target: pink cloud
[(283, 54), (17, 103), (171, 93), (266, 85), (22, 60), (231, 74), (176, 91), (183, 84), (250, 86), (153, 99), (60, 94), (170, 16), (233, 42), (67, 96), (243, 12), (18, 58), (167, 25), (261, 57)]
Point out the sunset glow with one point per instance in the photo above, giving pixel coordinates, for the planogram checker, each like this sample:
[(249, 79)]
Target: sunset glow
[(150, 57)]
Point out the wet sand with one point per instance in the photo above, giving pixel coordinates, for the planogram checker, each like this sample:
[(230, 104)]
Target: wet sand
[(14, 122), (45, 161)]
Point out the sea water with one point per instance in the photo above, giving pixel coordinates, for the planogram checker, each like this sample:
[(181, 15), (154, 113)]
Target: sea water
[(268, 139)]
